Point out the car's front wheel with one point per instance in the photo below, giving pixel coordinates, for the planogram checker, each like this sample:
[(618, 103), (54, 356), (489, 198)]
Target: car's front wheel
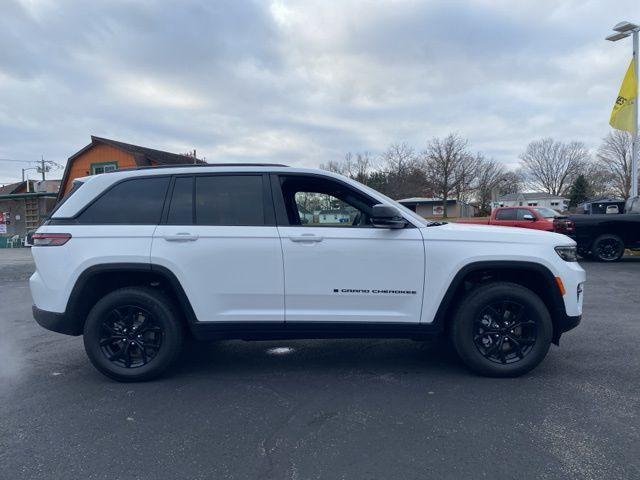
[(133, 334), (502, 329)]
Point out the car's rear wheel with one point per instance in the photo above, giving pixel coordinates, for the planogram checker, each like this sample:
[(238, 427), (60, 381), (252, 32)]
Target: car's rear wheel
[(502, 330), (608, 248), (133, 334)]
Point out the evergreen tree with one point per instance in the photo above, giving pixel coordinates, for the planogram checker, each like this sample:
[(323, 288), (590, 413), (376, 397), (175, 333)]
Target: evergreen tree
[(579, 191)]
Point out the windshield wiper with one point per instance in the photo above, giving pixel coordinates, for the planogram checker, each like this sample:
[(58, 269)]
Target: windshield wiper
[(436, 224)]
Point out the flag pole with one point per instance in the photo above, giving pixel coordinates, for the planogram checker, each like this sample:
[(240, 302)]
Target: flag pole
[(634, 145)]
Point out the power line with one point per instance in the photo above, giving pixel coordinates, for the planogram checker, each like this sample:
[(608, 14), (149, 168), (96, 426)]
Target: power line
[(19, 161)]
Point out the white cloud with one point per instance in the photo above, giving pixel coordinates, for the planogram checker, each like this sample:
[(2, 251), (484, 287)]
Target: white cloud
[(304, 82)]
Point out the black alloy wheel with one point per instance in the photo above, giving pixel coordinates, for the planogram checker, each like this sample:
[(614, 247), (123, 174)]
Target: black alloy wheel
[(608, 248), (503, 333), (130, 336), (134, 334), (501, 329)]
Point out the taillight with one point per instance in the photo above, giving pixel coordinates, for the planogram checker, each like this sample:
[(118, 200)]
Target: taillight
[(50, 239), (561, 225)]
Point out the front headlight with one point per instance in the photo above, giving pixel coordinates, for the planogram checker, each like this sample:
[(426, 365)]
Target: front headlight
[(568, 253)]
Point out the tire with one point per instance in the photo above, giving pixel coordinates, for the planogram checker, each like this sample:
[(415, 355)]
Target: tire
[(512, 350), (133, 334), (608, 248)]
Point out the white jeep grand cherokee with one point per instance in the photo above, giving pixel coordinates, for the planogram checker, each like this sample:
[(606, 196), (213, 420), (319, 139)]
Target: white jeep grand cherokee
[(134, 260)]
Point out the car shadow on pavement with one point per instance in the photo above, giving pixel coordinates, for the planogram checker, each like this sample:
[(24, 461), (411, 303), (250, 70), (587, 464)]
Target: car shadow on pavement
[(371, 356), (627, 259)]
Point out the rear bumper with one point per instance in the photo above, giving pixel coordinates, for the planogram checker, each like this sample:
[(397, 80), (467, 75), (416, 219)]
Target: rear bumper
[(56, 322)]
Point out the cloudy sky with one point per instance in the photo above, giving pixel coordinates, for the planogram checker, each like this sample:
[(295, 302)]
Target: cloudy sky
[(304, 82)]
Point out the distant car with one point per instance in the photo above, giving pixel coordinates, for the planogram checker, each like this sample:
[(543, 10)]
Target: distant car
[(537, 218)]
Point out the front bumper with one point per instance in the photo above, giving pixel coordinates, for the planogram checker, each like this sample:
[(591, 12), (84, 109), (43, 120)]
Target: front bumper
[(564, 324), (56, 322)]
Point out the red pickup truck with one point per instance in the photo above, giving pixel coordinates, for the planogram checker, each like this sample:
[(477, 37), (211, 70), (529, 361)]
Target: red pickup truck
[(538, 218)]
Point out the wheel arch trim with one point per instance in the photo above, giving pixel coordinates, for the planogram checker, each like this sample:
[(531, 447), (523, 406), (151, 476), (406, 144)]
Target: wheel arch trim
[(557, 312), (164, 272)]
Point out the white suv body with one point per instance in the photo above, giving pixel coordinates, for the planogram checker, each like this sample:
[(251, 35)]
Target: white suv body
[(267, 251)]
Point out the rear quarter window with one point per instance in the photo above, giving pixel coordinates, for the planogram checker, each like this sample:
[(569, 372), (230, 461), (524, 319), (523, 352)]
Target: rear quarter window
[(134, 202), (506, 214)]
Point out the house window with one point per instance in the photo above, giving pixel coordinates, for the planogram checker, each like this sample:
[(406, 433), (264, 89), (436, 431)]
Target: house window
[(103, 167), (532, 204), (555, 204)]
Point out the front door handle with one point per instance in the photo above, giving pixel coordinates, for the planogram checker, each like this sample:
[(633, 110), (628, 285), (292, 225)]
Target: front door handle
[(181, 237), (306, 238)]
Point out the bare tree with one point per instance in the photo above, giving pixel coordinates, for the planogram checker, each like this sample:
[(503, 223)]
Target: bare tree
[(358, 167), (614, 159), (551, 166), (510, 182), (404, 177), (448, 164), (334, 166), (491, 175), (467, 175)]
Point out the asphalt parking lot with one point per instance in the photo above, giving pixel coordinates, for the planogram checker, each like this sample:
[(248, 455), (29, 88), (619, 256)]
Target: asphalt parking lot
[(352, 409)]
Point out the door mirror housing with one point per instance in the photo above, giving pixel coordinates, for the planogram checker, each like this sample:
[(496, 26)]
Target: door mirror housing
[(387, 216), (528, 216)]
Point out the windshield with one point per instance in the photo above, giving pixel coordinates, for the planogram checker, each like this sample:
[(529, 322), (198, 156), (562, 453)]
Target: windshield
[(547, 212)]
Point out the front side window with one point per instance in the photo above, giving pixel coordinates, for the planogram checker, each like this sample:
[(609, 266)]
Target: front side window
[(132, 202), (229, 200), (522, 212), (320, 202), (106, 167)]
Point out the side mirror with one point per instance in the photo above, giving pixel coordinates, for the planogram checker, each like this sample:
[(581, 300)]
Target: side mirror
[(528, 216), (386, 216)]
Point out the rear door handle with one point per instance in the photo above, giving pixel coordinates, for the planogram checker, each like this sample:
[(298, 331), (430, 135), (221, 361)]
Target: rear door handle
[(181, 237), (306, 238)]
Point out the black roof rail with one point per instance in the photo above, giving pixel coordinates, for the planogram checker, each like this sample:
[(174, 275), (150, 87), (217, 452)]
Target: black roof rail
[(198, 165)]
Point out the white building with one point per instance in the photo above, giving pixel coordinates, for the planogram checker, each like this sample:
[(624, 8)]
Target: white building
[(533, 199)]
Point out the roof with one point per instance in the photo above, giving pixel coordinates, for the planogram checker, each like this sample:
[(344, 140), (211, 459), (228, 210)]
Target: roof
[(14, 188), (17, 190), (529, 196), (603, 200), (143, 156), (424, 200)]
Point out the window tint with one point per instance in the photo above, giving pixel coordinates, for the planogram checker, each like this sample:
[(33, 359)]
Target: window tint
[(229, 200), (181, 208), (134, 202), (506, 214)]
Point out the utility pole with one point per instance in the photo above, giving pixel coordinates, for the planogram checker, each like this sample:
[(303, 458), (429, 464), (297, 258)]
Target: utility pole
[(42, 166)]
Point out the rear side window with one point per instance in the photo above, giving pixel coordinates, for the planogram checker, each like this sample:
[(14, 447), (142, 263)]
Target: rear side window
[(506, 214), (132, 202), (229, 200), (181, 208)]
